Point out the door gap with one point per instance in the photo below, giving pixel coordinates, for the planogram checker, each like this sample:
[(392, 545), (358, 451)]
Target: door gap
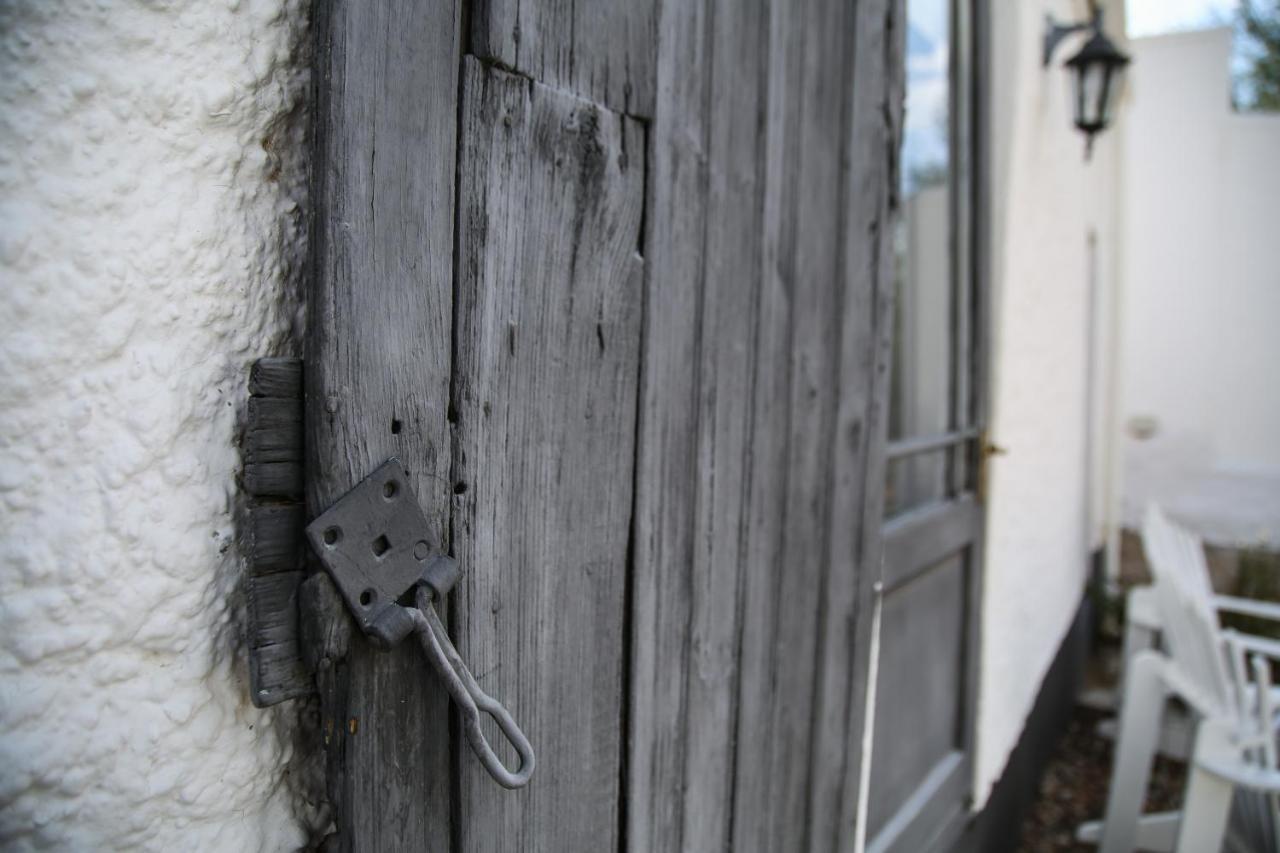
[(449, 547), (629, 585)]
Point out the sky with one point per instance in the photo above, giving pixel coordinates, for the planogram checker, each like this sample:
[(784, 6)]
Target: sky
[(924, 144), (1152, 17)]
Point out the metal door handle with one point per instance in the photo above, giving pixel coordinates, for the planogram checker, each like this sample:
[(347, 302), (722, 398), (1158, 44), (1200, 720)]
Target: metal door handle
[(374, 542)]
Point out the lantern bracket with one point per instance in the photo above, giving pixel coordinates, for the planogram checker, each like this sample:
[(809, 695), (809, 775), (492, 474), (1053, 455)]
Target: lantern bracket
[(1055, 31)]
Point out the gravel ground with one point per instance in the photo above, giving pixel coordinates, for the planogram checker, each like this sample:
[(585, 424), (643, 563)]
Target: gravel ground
[(1074, 788)]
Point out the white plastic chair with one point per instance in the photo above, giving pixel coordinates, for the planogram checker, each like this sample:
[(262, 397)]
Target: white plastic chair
[(1209, 668)]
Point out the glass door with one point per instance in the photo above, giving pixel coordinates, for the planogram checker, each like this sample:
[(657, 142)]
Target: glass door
[(922, 746)]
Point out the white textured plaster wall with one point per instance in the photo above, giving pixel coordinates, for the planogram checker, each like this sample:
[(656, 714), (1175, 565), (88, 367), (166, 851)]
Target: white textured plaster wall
[(1046, 391), (150, 183)]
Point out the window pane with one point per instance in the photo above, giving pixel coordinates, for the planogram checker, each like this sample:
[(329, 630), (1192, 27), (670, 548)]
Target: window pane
[(916, 480), (926, 140), (922, 393)]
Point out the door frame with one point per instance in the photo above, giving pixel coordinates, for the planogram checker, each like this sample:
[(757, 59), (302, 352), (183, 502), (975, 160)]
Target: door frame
[(937, 812)]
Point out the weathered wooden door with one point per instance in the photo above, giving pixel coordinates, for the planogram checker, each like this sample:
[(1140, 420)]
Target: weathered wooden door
[(477, 312), (921, 765), (611, 279)]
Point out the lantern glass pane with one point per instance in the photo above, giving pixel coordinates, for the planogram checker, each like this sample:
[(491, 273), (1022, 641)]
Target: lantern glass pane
[(1090, 104), (1110, 89)]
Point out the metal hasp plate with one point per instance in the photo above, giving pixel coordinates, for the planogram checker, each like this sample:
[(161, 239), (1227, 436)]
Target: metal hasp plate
[(375, 545)]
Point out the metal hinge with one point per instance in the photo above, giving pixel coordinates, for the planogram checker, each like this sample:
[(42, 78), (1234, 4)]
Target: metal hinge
[(270, 531), (986, 450)]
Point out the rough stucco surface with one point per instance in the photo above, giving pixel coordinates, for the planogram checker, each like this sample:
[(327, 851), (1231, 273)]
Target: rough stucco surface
[(1047, 200), (149, 237)]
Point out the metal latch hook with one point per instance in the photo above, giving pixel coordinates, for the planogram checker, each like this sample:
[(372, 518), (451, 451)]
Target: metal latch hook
[(374, 544), (470, 699)]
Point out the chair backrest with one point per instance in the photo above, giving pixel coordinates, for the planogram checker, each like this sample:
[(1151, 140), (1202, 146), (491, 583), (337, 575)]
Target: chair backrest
[(1188, 618), (1221, 681)]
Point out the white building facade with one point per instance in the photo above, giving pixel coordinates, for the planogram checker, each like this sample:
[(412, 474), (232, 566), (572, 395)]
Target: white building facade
[(1199, 347)]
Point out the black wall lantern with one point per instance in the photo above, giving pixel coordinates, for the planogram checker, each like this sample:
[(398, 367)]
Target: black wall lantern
[(1095, 73)]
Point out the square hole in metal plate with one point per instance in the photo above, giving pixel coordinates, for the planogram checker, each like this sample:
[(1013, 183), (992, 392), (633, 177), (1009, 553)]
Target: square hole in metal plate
[(381, 545)]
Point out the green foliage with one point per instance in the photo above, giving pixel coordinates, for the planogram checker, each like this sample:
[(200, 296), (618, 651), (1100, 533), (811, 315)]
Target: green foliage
[(1259, 22), (1109, 606)]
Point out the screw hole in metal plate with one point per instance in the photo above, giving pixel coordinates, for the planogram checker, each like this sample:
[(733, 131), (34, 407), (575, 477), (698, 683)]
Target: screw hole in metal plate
[(367, 597), (390, 489), (332, 535)]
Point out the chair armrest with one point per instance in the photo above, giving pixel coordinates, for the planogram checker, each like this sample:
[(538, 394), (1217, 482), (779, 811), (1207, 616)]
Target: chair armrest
[(1250, 776), (1248, 607), (1264, 646)]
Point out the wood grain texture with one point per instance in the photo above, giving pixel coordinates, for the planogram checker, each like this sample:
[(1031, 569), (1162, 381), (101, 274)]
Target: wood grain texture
[(275, 430), (271, 537), (765, 568), (272, 446), (546, 366), (274, 479), (812, 250), (874, 125), (700, 362), (666, 476), (279, 376), (602, 50), (741, 367), (271, 531), (378, 376), (760, 422)]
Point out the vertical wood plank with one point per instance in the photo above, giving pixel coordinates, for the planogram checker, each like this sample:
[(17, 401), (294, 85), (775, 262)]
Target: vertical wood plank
[(874, 61), (817, 290), (548, 333), (602, 50), (666, 481), (765, 567), (727, 106), (873, 141), (758, 423), (378, 375)]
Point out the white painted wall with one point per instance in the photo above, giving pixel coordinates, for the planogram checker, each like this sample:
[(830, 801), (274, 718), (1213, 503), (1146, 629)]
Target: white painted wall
[(1050, 319), (149, 242), (1201, 328)]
